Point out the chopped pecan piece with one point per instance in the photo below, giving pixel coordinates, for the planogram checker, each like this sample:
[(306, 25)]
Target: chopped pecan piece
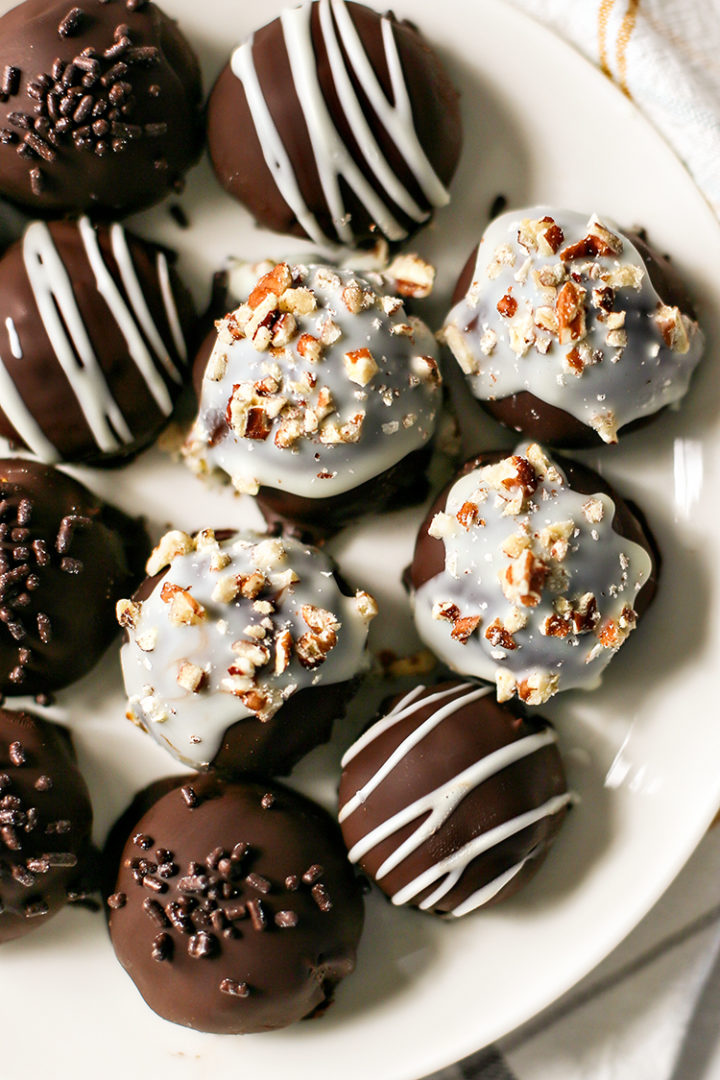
[(570, 311), (275, 282), (184, 608), (507, 306), (464, 627), (498, 635)]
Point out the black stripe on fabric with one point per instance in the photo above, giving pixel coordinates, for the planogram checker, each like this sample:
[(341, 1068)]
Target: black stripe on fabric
[(609, 982), (489, 1064), (486, 1064)]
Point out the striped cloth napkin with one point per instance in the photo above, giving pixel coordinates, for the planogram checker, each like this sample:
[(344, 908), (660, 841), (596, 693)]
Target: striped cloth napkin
[(651, 1011), (648, 1012), (664, 55)]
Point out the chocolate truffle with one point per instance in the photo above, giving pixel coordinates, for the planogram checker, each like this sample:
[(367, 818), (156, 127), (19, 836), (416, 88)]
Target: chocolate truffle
[(12, 223), (242, 649), (65, 558), (99, 106), (569, 331), (530, 573), (336, 123), (449, 801), (235, 908), (321, 397), (93, 330), (46, 821)]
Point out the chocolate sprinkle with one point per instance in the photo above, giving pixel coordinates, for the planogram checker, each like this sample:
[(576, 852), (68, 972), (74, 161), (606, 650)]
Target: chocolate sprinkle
[(286, 919), (321, 897), (162, 947), (234, 988), (72, 22)]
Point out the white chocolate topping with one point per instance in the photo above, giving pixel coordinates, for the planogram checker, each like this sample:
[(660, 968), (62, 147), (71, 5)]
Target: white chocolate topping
[(563, 307), (316, 385), (59, 311), (538, 589), (232, 630)]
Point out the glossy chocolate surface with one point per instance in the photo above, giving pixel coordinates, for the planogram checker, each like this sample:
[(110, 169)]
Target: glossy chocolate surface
[(67, 557), (449, 802), (235, 909), (103, 110), (47, 818), (240, 143)]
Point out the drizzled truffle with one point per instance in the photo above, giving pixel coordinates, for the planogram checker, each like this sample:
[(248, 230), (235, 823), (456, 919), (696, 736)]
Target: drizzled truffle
[(336, 123), (46, 821), (93, 331), (450, 802), (530, 573), (235, 909), (321, 395), (569, 331), (99, 106), (65, 558), (242, 649)]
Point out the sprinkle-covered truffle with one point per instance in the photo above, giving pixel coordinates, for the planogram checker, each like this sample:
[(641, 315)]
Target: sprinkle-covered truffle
[(242, 913), (45, 822), (65, 558), (99, 106)]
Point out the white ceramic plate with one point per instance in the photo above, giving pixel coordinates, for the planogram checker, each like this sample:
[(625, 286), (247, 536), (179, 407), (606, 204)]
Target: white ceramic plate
[(643, 751)]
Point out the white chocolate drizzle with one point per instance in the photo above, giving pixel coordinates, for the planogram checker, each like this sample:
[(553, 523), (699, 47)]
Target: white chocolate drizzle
[(332, 158), (58, 309), (437, 806)]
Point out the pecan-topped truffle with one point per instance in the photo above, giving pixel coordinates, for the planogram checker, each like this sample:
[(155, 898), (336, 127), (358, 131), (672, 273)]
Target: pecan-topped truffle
[(94, 324), (449, 801), (336, 123), (235, 909), (322, 394), (99, 106), (45, 822), (242, 649), (569, 331), (530, 573), (65, 559)]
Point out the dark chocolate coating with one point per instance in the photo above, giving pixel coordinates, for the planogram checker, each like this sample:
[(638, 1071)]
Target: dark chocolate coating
[(403, 484), (40, 380), (237, 155), (525, 412), (464, 737), (67, 557), (276, 926), (629, 522), (98, 138), (47, 819)]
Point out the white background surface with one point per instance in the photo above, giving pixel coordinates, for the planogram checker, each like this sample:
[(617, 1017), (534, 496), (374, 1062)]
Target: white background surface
[(643, 751)]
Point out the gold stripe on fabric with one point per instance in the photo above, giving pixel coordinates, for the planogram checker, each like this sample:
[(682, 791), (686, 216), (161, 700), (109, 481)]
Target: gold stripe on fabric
[(623, 40), (604, 10)]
